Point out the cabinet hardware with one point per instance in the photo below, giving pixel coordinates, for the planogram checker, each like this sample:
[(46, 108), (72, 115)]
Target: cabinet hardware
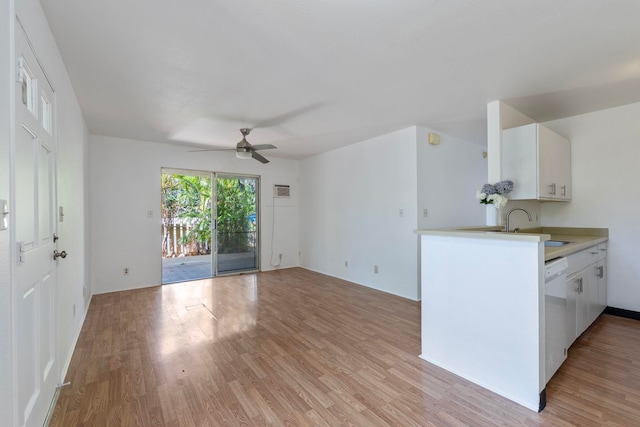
[(57, 254), (552, 188), (601, 272), (564, 190)]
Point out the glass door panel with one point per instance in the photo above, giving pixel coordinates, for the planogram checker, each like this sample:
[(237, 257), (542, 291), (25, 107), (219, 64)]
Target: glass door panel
[(236, 223), (186, 225)]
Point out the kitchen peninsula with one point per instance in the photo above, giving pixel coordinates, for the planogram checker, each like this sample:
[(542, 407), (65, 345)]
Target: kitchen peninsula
[(483, 304)]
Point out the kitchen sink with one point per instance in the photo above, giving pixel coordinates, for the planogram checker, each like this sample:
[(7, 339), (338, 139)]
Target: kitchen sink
[(555, 243)]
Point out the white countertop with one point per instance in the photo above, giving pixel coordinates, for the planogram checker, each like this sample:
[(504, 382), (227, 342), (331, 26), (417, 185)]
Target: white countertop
[(580, 238)]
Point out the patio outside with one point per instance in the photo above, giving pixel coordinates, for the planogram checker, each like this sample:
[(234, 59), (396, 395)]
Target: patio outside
[(199, 267)]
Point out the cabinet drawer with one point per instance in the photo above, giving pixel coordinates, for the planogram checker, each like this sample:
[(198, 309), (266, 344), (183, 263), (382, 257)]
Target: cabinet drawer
[(580, 260), (602, 251)]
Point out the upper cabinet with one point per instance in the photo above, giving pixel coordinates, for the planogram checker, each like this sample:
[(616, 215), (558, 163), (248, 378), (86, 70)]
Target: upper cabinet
[(538, 161)]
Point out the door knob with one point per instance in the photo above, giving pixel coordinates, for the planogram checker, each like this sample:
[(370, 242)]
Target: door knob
[(57, 254)]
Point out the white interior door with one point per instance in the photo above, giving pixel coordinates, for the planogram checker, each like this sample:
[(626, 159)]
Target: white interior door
[(35, 222)]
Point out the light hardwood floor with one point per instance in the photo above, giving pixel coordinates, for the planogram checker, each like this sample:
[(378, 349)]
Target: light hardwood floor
[(296, 348)]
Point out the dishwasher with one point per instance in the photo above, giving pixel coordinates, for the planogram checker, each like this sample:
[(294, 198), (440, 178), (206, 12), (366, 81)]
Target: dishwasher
[(555, 312)]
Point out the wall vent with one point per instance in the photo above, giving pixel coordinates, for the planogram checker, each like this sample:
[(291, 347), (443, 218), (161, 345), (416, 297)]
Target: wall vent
[(280, 190)]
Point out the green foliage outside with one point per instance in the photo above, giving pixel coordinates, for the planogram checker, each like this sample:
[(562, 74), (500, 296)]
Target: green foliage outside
[(236, 204), (189, 197)]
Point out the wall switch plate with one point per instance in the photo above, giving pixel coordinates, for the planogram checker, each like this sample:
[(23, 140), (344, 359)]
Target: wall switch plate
[(425, 212), (149, 214), (375, 269)]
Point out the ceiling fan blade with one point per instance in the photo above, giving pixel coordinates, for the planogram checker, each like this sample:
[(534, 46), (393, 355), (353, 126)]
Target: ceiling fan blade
[(212, 149), (258, 157), (263, 147)]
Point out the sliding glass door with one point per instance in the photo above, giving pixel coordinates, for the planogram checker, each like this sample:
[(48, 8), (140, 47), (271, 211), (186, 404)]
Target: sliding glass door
[(209, 224), (236, 225)]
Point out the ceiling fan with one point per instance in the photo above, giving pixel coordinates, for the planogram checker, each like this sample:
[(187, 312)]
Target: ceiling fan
[(244, 150)]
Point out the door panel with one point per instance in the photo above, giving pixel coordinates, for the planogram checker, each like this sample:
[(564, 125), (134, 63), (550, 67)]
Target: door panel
[(37, 364), (25, 187), (186, 225), (236, 223)]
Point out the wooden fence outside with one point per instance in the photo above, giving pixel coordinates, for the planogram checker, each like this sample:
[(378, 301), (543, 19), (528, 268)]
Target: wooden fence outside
[(173, 244)]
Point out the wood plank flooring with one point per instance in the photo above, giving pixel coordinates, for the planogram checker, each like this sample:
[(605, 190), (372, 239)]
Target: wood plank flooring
[(297, 348)]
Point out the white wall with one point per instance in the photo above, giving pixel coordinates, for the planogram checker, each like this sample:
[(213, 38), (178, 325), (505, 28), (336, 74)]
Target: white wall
[(350, 202), (449, 175), (125, 184), (605, 153)]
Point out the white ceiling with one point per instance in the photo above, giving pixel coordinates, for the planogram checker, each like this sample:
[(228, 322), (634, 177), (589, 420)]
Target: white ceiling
[(313, 75)]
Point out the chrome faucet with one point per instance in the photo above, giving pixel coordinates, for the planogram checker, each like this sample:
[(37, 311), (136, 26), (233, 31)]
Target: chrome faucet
[(509, 213)]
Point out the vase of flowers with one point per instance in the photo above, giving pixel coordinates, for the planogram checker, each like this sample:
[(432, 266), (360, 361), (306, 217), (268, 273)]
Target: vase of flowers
[(494, 196)]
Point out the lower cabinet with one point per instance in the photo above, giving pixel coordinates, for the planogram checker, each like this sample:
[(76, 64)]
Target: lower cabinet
[(586, 290)]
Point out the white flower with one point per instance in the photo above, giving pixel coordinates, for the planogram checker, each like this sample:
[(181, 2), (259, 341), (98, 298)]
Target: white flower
[(499, 201), (480, 195)]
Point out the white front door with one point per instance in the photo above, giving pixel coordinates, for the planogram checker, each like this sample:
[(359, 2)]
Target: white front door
[(35, 225)]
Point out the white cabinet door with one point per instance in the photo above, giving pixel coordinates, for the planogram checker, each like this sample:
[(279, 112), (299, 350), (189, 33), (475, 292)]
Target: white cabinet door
[(573, 287), (547, 166), (554, 158), (538, 161), (563, 159), (586, 289), (591, 294), (520, 161)]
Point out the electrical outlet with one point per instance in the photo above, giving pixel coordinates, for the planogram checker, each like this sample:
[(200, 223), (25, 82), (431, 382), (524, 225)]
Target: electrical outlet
[(375, 269), (149, 214), (346, 263), (280, 257), (425, 212), (401, 213), (125, 271)]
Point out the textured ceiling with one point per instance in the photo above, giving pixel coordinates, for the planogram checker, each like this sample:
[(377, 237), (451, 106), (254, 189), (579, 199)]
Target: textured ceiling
[(311, 76)]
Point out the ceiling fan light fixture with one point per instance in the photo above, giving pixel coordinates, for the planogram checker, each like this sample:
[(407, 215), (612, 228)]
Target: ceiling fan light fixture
[(243, 154)]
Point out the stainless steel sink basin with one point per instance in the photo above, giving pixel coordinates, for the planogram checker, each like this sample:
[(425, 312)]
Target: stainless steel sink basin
[(555, 243)]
